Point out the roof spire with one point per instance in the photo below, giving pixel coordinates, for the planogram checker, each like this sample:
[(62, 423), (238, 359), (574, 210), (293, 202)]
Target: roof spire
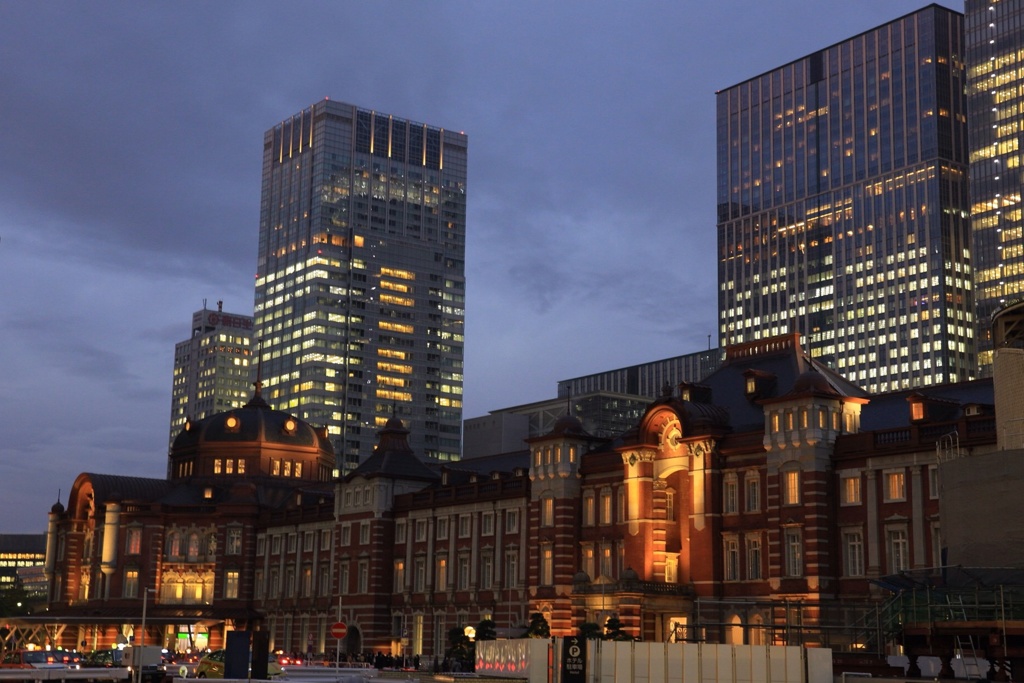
[(257, 395)]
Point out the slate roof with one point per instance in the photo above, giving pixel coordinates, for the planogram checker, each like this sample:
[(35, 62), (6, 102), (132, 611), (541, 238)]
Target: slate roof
[(394, 458), (781, 358)]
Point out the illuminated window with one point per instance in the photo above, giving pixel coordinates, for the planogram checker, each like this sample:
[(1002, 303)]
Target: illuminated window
[(547, 512), (131, 583), (895, 487), (791, 487), (849, 490), (441, 581), (231, 584), (399, 574), (547, 567)]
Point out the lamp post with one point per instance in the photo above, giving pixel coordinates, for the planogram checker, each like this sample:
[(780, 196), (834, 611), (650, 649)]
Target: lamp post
[(137, 660)]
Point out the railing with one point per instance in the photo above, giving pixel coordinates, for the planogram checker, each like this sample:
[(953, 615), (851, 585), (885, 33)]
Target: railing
[(63, 674)]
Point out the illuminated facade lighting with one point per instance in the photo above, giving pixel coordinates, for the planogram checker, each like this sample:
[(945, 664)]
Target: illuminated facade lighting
[(843, 205), (212, 368), (362, 263), (994, 41)]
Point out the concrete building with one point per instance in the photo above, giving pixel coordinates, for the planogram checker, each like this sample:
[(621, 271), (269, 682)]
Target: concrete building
[(843, 205), (360, 286), (602, 413), (645, 379), (994, 39), (19, 554), (212, 371), (606, 403)]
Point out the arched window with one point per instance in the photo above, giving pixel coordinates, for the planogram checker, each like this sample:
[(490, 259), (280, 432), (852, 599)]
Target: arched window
[(734, 631), (173, 545), (757, 634), (193, 547)]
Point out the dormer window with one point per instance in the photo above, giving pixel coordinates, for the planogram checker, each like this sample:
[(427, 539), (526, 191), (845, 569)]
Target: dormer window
[(696, 393), (758, 384), (290, 425), (918, 408), (231, 424)]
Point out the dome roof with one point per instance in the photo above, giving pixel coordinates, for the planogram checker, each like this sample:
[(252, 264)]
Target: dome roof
[(813, 381), (268, 439), (567, 424), (253, 422)]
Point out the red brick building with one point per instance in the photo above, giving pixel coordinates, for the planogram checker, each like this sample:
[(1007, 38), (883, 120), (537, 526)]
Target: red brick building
[(756, 506)]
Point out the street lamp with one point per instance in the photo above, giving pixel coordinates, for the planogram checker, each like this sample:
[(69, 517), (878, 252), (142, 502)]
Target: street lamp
[(138, 659)]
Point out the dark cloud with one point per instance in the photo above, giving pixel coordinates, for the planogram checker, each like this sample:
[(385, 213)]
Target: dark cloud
[(130, 158)]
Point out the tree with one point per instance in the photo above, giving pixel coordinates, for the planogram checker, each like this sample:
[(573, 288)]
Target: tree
[(460, 649), (613, 630), (590, 630), (486, 630), (538, 627)]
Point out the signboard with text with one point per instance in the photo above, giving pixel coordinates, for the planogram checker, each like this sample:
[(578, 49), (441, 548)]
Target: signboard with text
[(574, 659)]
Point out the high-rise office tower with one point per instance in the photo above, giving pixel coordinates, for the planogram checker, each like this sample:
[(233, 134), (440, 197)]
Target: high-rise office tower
[(843, 205), (360, 280), (212, 367), (994, 37)]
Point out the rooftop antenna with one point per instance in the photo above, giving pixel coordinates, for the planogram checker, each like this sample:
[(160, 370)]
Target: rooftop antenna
[(204, 303)]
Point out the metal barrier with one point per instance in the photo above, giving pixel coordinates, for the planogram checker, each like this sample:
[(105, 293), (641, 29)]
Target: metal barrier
[(61, 674)]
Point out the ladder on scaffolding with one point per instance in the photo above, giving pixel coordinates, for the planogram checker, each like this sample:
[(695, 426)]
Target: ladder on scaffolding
[(965, 650)]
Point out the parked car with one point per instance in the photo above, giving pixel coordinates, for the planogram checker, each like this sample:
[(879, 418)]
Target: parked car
[(104, 659), (36, 659), (212, 666)]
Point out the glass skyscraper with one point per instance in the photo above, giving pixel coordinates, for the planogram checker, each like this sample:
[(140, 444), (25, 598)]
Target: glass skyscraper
[(995, 97), (843, 205), (360, 278), (212, 368)]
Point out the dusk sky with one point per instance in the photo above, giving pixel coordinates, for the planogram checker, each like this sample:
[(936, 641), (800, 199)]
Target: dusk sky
[(130, 149)]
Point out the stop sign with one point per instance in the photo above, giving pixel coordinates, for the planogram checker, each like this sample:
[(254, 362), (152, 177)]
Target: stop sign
[(339, 630)]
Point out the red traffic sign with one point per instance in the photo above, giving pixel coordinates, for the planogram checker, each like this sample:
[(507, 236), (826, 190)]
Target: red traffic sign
[(339, 629)]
